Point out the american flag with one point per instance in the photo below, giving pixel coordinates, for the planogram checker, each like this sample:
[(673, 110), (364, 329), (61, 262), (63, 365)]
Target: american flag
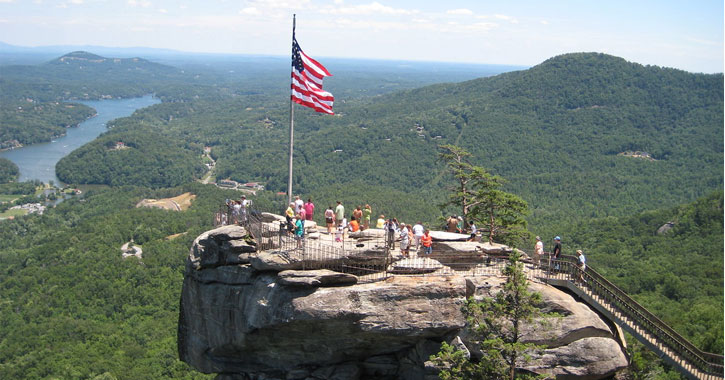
[(307, 75)]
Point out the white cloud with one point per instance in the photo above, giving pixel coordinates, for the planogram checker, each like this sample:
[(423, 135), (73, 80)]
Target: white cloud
[(139, 3), (368, 9), (544, 22), (163, 10), (460, 12), (482, 26), (7, 1), (142, 29), (76, 2), (250, 11), (506, 18), (279, 4)]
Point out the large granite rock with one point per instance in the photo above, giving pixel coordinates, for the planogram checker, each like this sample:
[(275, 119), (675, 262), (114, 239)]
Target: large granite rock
[(226, 245), (262, 317)]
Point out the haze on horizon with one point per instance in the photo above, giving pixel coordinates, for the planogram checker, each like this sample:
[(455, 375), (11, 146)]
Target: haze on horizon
[(683, 35)]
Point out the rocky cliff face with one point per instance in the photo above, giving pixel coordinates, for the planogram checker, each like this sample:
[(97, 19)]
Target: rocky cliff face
[(249, 318)]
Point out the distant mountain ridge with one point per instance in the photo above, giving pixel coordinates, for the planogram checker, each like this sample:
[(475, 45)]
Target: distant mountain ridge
[(84, 59), (84, 75)]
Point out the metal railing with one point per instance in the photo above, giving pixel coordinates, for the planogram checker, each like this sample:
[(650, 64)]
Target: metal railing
[(634, 317)]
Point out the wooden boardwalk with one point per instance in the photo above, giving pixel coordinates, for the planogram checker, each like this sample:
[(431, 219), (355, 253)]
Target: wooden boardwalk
[(636, 320)]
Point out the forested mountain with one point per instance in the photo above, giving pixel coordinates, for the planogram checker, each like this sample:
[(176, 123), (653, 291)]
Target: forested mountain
[(27, 122), (73, 308), (8, 170), (677, 273), (82, 75), (562, 133)]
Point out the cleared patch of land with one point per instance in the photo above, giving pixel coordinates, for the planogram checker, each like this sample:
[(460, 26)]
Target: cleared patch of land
[(8, 197), (177, 203), (13, 213)]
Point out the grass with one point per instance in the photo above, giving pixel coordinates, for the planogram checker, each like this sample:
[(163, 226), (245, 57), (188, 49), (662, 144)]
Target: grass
[(8, 197), (13, 213)]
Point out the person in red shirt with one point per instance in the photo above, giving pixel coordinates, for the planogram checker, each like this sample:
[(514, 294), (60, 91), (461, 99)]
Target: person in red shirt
[(354, 225), (309, 208), (427, 242)]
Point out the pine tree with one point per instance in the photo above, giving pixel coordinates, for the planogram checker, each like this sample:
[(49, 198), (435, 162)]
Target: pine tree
[(496, 325), (478, 193)]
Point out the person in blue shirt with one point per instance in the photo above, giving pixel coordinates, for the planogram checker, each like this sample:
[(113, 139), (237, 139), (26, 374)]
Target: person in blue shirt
[(299, 230)]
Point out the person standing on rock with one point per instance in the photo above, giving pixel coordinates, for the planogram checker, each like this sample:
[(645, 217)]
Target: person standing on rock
[(404, 240), (299, 230), (391, 228), (538, 251), (380, 222), (427, 242), (329, 219), (418, 231), (339, 231), (299, 204), (236, 212), (289, 215), (451, 223), (367, 213), (473, 231), (302, 214), (339, 213), (357, 213), (244, 208), (309, 208)]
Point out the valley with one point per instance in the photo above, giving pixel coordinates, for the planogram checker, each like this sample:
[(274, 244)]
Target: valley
[(567, 135)]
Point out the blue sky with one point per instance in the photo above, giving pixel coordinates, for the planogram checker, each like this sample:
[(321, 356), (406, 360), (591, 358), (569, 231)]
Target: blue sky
[(683, 34)]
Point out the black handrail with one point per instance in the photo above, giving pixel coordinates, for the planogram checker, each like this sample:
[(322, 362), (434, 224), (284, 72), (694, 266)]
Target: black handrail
[(704, 361)]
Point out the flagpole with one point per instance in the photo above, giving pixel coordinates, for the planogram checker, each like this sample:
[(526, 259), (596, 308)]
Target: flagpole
[(291, 127)]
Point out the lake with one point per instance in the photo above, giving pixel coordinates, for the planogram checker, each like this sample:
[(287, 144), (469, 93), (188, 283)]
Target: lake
[(38, 161)]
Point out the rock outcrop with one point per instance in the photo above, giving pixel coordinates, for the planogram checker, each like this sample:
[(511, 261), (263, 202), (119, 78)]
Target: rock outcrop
[(257, 315)]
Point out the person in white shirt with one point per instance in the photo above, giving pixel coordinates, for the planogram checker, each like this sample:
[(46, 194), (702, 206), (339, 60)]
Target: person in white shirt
[(538, 250), (404, 240), (243, 212), (299, 204), (582, 261), (418, 231), (472, 227)]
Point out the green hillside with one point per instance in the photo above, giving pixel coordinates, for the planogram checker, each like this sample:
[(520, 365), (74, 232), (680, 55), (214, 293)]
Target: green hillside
[(8, 170), (677, 275), (29, 122), (82, 75), (555, 131)]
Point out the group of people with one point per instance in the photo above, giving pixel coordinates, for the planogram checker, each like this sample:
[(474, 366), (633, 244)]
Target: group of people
[(408, 234), (455, 224), (237, 211), (296, 214), (335, 219), (299, 211), (556, 254)]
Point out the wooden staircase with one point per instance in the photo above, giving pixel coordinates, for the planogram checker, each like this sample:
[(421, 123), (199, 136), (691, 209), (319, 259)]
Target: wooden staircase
[(612, 302)]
